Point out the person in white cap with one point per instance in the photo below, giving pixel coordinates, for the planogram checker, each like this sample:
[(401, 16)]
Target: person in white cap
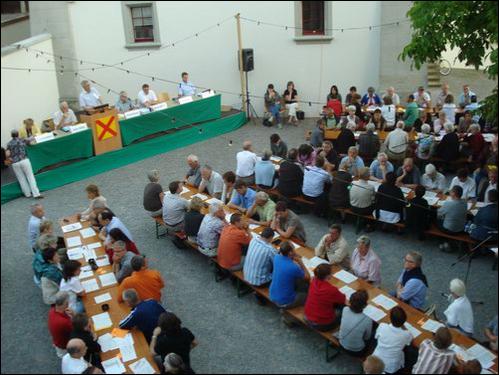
[(459, 314), (433, 180)]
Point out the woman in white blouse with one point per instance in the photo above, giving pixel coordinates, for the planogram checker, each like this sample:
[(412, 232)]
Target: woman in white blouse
[(459, 314)]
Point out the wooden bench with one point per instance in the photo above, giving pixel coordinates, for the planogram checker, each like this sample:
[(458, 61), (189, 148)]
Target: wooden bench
[(158, 220)]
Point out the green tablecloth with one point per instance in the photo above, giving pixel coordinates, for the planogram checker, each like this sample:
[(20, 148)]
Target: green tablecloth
[(62, 148), (170, 118)]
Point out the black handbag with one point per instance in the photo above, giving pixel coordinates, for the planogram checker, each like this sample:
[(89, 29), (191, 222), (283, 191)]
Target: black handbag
[(300, 115)]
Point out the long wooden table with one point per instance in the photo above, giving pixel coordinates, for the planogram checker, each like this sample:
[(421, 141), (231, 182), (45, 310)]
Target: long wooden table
[(117, 311)]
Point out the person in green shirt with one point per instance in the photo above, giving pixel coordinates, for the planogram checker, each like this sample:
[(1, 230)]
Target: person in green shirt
[(264, 207), (411, 111)]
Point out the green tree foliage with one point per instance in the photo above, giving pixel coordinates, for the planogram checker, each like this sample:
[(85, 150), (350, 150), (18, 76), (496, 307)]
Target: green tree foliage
[(471, 26)]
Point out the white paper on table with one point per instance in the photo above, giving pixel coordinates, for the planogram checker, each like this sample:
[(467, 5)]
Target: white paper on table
[(276, 159), (347, 291), (254, 235), (108, 279), (345, 276), (405, 190), (374, 313), (384, 302), (89, 254), (71, 227), (127, 352), (113, 366), (494, 250), (86, 274), (102, 321), (460, 352), (316, 261), (432, 201), (277, 167), (227, 216), (414, 331), (87, 232), (200, 196), (253, 226), (214, 200), (107, 343), (430, 194), (73, 241), (90, 285), (485, 357), (102, 262), (474, 212), (86, 268), (294, 244), (103, 298), (306, 263), (375, 184), (142, 366), (480, 204), (432, 325), (94, 245), (75, 253), (121, 341), (184, 190)]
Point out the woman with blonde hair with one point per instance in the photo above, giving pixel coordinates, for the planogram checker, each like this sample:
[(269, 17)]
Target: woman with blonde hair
[(29, 129)]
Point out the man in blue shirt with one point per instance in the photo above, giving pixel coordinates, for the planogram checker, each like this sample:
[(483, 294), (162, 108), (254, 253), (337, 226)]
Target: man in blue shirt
[(37, 215), (315, 179), (353, 160), (186, 88), (244, 197), (260, 259), (144, 314), (380, 167), (412, 284), (108, 221)]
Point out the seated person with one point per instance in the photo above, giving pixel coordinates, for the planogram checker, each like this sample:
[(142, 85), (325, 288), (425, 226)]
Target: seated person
[(353, 161), (390, 93), (412, 285), (317, 136), (408, 175), (396, 143), (144, 314), (264, 207), (346, 139), (210, 229), (464, 123), (351, 117), (435, 355), (378, 120), (324, 301), (244, 198), (211, 182), (146, 96), (278, 146), (306, 155), (389, 113), (351, 92), (330, 155), (476, 144), (93, 196), (363, 195), (459, 313), (448, 148), (259, 261), (272, 101), (380, 167), (418, 213), (464, 181), (433, 180), (392, 340), (373, 365), (425, 143), (47, 269), (452, 214), (334, 248), (64, 116), (73, 361), (146, 282), (369, 143), (491, 334), (365, 263), (287, 223), (174, 207), (485, 221), (390, 201), (82, 329), (356, 327), (465, 97), (411, 113), (108, 221), (124, 103), (89, 97), (290, 176), (193, 176), (116, 234), (122, 261), (228, 191), (290, 97), (422, 98), (193, 219), (29, 129), (315, 183), (234, 240), (71, 283), (265, 171), (485, 185), (424, 118), (438, 124), (59, 323), (371, 99), (339, 195), (153, 195), (186, 88)]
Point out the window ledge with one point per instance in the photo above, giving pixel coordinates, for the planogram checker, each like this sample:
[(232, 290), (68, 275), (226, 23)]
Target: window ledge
[(313, 38), (143, 45)]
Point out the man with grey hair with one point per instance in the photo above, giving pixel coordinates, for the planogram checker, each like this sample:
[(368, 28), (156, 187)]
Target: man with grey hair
[(433, 180), (363, 196), (371, 99), (211, 181), (353, 161), (369, 142), (396, 143), (408, 175), (124, 103), (153, 194), (210, 230), (59, 323), (193, 176), (122, 261), (73, 361), (246, 161), (264, 207), (144, 314), (459, 313), (390, 93), (16, 155), (380, 167), (36, 218), (64, 116), (89, 97), (364, 263), (412, 285)]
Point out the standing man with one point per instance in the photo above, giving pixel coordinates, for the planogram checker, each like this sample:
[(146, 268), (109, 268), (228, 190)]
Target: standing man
[(246, 161), (89, 97), (64, 116), (17, 156), (186, 88)]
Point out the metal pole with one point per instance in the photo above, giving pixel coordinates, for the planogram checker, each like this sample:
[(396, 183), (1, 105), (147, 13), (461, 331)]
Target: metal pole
[(241, 73)]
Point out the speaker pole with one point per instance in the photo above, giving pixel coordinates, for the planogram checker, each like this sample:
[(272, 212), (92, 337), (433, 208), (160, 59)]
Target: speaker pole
[(241, 73)]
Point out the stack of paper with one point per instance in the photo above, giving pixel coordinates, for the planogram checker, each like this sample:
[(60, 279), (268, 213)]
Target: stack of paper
[(430, 194), (90, 285), (75, 253), (71, 227), (414, 331), (374, 313), (432, 201), (89, 253), (461, 353), (94, 245), (102, 298), (316, 261), (142, 366), (107, 342), (345, 276), (127, 352), (485, 357), (87, 232), (214, 200), (85, 274), (432, 325), (113, 366), (102, 321), (73, 241), (384, 302), (200, 196), (103, 261), (108, 279), (347, 291)]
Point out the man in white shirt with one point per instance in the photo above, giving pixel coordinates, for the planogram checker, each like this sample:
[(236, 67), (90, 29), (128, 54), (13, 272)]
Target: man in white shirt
[(73, 362), (65, 116), (37, 216), (186, 88), (246, 161), (459, 314), (396, 144), (433, 180), (146, 96), (390, 92), (467, 183), (422, 97), (211, 181), (89, 97)]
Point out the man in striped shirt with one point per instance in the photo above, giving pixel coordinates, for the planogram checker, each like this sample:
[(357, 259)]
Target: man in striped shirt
[(435, 357), (259, 261)]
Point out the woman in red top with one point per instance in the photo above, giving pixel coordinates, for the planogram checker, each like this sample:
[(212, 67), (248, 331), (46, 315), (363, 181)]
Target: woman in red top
[(476, 143), (324, 301), (117, 235)]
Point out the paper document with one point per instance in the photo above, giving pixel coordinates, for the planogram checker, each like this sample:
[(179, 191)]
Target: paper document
[(89, 254), (142, 366), (276, 159), (90, 285), (295, 245), (108, 279), (227, 217), (75, 253), (347, 291), (405, 190), (71, 227), (414, 331), (113, 366), (254, 235), (102, 262), (432, 325), (214, 200), (87, 232), (432, 201), (103, 298), (73, 241), (316, 261), (107, 342), (86, 274), (184, 190), (94, 245), (384, 302), (121, 341), (374, 313), (345, 276), (127, 353), (485, 357), (200, 196), (253, 226), (430, 194), (102, 321), (461, 353)]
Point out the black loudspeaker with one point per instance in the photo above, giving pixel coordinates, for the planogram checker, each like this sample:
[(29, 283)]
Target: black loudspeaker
[(248, 59)]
